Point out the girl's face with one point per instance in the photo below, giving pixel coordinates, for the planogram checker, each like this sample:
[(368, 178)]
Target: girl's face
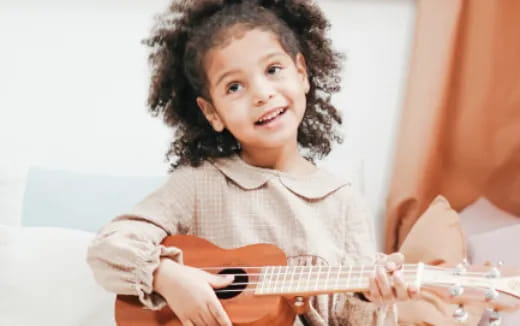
[(257, 91)]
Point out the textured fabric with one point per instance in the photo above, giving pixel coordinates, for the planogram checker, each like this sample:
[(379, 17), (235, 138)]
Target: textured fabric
[(460, 128), (233, 204)]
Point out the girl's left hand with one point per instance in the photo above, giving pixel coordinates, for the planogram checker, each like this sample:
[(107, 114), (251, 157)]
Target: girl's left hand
[(387, 284)]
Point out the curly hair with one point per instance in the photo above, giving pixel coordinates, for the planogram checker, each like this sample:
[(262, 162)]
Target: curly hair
[(189, 29)]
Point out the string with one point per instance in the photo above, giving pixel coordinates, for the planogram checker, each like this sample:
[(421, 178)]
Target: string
[(322, 289), (274, 273), (310, 272), (322, 282), (289, 266)]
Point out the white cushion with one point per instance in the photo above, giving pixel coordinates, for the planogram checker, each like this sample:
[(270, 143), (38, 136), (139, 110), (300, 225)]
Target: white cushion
[(482, 216), (45, 280)]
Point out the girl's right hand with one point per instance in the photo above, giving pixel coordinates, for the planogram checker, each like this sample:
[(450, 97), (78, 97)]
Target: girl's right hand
[(189, 293)]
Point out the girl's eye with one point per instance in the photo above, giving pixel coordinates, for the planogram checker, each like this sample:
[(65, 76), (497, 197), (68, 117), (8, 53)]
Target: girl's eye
[(274, 69), (233, 87)]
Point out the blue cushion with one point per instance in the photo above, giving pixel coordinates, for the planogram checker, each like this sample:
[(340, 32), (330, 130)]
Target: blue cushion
[(80, 201)]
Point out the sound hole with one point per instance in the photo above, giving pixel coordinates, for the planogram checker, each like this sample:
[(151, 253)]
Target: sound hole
[(235, 288)]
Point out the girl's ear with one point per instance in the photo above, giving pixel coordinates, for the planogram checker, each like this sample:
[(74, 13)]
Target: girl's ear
[(301, 67), (211, 114)]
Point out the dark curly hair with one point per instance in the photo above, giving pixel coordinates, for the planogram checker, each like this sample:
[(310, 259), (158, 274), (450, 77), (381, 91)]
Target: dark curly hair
[(189, 29)]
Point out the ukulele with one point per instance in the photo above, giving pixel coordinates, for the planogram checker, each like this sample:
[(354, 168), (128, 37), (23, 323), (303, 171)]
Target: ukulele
[(267, 292)]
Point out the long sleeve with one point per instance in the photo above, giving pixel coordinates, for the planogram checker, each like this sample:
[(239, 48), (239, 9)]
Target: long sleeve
[(360, 249), (126, 252)]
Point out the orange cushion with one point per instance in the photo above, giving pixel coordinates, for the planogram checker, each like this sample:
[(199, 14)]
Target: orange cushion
[(435, 239)]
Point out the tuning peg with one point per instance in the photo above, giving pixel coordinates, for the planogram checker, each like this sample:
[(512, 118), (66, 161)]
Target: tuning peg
[(493, 272), (500, 263), (460, 269), (465, 262), (497, 322), (456, 290), (494, 318), (491, 294), (460, 315)]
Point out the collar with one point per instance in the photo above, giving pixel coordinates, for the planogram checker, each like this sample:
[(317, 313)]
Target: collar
[(316, 185)]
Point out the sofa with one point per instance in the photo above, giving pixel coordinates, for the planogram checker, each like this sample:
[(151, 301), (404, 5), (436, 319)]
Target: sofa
[(44, 279), (46, 226)]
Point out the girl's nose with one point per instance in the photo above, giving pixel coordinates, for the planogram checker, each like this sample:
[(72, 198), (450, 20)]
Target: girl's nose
[(263, 91)]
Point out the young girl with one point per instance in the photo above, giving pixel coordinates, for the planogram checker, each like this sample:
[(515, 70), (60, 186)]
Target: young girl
[(247, 86)]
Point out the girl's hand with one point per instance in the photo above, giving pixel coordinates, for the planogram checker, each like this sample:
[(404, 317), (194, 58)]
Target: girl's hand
[(389, 271), (189, 293)]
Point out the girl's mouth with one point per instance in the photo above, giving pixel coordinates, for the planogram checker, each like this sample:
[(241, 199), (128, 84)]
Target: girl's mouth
[(271, 117)]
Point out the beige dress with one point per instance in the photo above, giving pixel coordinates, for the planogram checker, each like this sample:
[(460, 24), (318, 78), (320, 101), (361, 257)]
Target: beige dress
[(317, 219)]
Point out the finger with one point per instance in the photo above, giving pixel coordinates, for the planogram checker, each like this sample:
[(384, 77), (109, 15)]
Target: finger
[(220, 281), (391, 266), (219, 313), (198, 320), (187, 322), (397, 259), (381, 258), (413, 291), (374, 294), (399, 286), (383, 285), (206, 317)]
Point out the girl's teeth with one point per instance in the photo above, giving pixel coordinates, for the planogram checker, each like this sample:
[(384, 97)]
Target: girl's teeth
[(274, 114)]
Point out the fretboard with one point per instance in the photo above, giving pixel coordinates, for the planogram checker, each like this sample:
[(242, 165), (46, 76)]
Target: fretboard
[(305, 280)]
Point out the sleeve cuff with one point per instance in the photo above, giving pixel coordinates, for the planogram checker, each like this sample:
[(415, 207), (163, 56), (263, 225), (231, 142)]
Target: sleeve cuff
[(359, 312), (144, 276)]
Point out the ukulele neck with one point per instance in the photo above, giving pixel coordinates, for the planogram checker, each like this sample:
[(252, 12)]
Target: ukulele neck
[(313, 280)]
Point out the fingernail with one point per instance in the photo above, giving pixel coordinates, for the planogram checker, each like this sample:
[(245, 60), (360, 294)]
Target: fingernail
[(397, 275), (390, 265)]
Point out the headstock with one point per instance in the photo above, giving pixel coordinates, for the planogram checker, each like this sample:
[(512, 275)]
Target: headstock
[(494, 287)]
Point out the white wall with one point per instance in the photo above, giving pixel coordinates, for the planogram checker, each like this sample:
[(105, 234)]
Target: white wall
[(376, 36), (73, 82)]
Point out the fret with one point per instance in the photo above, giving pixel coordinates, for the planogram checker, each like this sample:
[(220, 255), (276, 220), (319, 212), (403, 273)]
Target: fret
[(260, 288), (316, 285), (283, 275), (263, 275), (337, 277), (287, 278), (286, 268), (361, 276), (271, 278), (278, 278), (300, 284), (295, 286), (288, 284), (328, 278), (374, 273), (266, 279), (309, 278), (349, 275)]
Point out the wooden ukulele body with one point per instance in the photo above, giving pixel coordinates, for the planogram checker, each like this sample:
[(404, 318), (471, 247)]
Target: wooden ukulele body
[(244, 308)]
